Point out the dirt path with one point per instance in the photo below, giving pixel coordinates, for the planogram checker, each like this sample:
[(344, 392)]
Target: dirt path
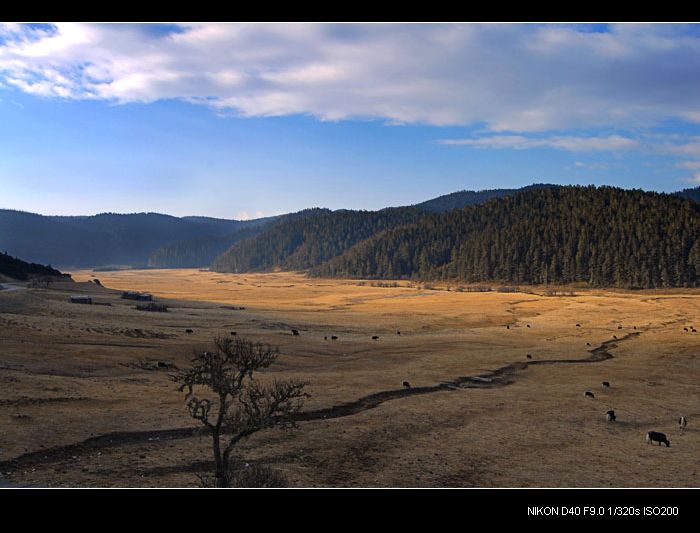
[(497, 378)]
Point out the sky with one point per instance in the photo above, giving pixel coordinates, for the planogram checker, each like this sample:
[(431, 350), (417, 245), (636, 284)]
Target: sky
[(249, 120)]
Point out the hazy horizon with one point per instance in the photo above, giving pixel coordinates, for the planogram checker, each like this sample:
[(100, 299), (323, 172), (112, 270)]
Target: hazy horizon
[(200, 215)]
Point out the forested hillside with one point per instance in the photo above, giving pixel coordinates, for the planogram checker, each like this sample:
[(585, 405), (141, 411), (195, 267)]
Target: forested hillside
[(309, 241), (297, 245), (22, 270), (603, 236), (202, 251), (461, 199), (690, 194)]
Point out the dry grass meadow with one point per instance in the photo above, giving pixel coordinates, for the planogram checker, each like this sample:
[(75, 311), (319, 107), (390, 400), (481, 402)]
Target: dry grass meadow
[(83, 402)]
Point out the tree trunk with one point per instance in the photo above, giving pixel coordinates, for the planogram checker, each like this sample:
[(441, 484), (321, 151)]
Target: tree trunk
[(221, 474)]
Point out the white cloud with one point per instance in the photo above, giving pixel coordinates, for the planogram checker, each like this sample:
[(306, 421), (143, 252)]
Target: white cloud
[(691, 147), (518, 78), (244, 215), (571, 144), (692, 165)]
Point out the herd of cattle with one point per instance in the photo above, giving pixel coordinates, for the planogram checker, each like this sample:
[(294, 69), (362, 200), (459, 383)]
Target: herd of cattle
[(651, 436)]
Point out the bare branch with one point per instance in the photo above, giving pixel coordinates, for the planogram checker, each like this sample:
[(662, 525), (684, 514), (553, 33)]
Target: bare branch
[(199, 409), (263, 406)]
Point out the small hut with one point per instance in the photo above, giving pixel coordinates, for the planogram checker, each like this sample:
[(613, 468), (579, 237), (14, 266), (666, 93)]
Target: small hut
[(135, 295)]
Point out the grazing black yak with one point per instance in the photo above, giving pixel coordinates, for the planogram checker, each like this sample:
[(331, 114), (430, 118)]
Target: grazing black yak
[(655, 436)]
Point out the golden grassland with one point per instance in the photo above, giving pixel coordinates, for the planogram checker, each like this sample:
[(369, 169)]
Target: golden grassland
[(71, 372)]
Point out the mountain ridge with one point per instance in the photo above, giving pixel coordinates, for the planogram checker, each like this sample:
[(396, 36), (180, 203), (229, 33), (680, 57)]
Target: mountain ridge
[(164, 241)]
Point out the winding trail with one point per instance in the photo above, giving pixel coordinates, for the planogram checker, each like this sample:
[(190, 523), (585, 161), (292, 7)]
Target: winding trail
[(500, 377)]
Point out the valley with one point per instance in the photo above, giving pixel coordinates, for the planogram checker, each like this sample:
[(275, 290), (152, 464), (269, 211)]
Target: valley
[(86, 401)]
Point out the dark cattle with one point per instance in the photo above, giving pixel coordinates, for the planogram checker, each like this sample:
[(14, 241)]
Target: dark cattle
[(528, 325), (375, 338), (407, 384), (619, 327), (695, 330), (398, 333), (589, 394), (528, 356), (682, 423), (578, 325), (685, 329), (655, 436), (334, 338), (234, 333), (189, 331), (325, 338), (610, 415), (588, 344), (634, 327), (507, 327), (606, 383), (163, 364), (614, 336), (295, 332)]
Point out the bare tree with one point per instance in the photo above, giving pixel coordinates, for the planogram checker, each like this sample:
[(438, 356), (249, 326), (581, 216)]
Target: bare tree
[(241, 405)]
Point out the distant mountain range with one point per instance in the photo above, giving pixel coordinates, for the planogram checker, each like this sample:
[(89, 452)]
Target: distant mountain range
[(106, 239), (328, 242)]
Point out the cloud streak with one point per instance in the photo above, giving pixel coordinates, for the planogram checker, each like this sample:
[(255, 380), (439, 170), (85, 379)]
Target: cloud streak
[(515, 78), (570, 144)]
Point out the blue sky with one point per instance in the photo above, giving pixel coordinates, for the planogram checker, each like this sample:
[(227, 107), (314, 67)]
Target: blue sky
[(239, 121)]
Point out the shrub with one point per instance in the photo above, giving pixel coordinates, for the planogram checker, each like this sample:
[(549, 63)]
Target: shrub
[(560, 292), (508, 289), (244, 475), (152, 306)]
